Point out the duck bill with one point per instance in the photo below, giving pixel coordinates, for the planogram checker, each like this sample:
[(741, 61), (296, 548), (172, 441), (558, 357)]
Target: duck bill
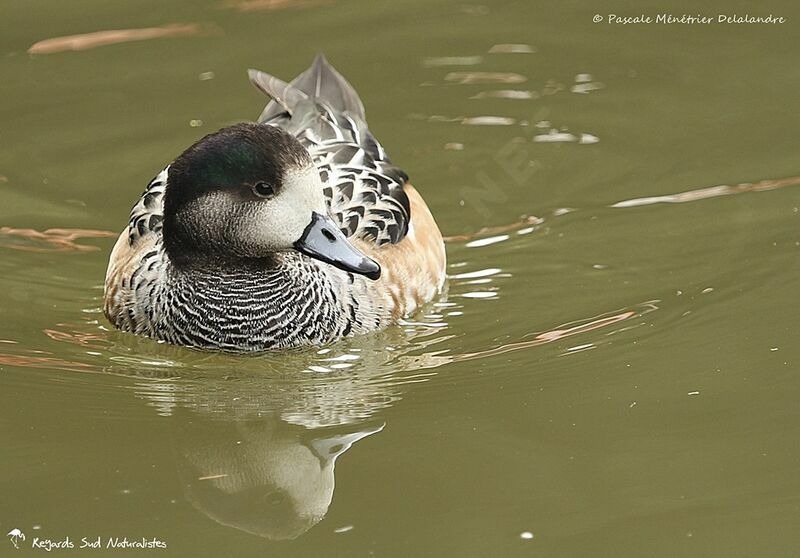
[(323, 241)]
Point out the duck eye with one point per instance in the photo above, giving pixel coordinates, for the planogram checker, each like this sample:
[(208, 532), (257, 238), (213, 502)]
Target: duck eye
[(263, 189)]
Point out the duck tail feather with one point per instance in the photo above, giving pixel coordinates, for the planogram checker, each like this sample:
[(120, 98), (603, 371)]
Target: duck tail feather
[(322, 82), (284, 95)]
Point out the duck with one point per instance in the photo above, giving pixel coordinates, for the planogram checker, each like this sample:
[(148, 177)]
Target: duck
[(293, 230)]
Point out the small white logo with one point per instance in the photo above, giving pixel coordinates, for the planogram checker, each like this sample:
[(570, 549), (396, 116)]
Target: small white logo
[(16, 535)]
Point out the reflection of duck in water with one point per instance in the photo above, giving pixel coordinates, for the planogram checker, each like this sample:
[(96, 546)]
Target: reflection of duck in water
[(257, 451), (263, 476)]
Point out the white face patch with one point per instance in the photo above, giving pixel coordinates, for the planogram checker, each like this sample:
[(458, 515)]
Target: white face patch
[(277, 223), (255, 227)]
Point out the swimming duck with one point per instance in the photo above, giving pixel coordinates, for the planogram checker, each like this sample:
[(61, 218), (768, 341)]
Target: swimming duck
[(293, 230)]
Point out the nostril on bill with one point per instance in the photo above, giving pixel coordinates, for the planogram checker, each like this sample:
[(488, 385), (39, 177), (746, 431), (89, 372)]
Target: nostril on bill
[(328, 234)]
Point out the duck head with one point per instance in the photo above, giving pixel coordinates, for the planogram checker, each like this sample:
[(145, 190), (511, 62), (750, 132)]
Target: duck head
[(247, 192)]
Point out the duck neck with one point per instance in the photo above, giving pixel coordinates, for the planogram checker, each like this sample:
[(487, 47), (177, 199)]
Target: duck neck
[(255, 304)]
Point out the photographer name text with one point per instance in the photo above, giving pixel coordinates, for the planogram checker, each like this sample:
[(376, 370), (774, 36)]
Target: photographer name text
[(689, 19)]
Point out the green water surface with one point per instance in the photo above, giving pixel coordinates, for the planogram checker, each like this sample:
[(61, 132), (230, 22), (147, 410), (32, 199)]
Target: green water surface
[(613, 370)]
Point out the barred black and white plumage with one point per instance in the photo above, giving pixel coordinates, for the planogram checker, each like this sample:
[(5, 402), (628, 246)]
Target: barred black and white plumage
[(272, 234), (364, 190), (148, 213)]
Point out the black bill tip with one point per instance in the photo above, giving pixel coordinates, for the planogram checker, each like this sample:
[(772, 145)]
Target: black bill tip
[(323, 241)]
